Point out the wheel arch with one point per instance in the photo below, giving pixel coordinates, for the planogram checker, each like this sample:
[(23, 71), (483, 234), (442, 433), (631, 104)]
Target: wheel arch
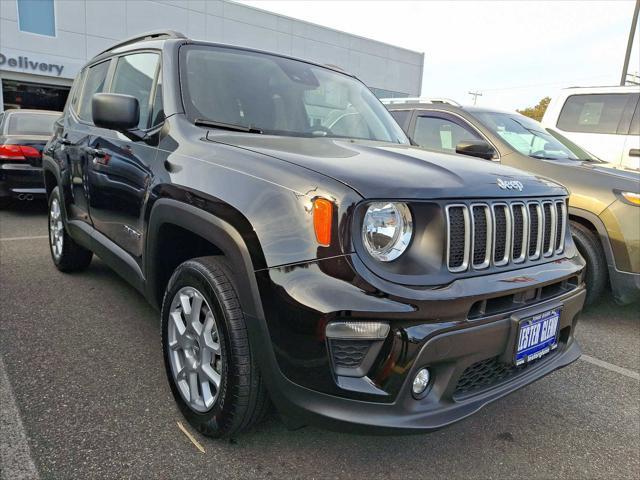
[(593, 223), (221, 237)]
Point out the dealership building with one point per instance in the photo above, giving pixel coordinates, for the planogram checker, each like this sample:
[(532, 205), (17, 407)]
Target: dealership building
[(44, 43)]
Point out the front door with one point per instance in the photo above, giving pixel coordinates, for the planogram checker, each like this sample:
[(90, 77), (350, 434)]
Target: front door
[(121, 166)]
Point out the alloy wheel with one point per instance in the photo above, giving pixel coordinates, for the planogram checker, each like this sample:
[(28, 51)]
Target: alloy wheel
[(194, 349), (56, 229)]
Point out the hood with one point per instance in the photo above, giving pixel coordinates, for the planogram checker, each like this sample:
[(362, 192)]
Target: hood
[(384, 170), (611, 170)]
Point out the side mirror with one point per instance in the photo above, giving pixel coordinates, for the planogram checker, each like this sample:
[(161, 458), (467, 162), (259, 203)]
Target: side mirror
[(115, 111), (476, 148)]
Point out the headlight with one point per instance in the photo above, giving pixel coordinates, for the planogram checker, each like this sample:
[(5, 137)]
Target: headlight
[(631, 197), (387, 230)]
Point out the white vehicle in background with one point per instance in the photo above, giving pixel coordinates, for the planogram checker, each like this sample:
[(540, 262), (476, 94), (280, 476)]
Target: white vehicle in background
[(603, 120)]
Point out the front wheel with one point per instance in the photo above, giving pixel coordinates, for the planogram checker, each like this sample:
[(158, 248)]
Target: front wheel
[(66, 254), (211, 369), (596, 273)]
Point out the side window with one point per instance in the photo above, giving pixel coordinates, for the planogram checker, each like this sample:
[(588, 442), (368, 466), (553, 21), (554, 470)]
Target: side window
[(94, 83), (597, 113), (441, 134), (401, 116), (134, 76)]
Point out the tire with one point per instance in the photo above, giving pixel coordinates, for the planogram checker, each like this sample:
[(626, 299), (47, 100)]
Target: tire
[(66, 254), (596, 275), (206, 351)]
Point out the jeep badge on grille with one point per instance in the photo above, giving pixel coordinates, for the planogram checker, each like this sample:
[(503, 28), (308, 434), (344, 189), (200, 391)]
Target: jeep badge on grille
[(510, 184)]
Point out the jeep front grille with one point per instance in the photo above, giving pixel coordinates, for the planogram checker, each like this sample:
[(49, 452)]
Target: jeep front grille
[(503, 233)]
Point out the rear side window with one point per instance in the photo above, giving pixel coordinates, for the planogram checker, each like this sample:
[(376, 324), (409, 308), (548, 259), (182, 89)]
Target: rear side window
[(401, 116), (598, 113), (31, 124), (94, 83), (441, 134), (134, 76)]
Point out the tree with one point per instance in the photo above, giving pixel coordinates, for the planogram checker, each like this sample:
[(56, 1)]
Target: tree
[(538, 111)]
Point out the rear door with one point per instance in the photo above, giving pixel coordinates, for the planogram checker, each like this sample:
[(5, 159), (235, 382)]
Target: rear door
[(121, 167), (598, 122), (75, 140)]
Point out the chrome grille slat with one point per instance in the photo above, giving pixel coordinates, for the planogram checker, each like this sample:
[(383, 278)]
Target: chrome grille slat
[(561, 225), (501, 233), (535, 236), (458, 254), (520, 230)]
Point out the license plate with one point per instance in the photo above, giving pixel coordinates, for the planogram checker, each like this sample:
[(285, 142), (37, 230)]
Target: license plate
[(537, 336)]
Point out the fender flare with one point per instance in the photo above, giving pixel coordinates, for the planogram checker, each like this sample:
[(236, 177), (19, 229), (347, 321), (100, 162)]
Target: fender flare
[(213, 229), (600, 228)]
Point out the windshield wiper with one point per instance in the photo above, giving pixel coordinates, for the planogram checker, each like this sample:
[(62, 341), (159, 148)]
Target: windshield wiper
[(203, 122), (542, 157)]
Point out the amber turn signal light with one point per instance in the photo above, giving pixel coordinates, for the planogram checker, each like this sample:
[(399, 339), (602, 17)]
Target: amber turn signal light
[(322, 220)]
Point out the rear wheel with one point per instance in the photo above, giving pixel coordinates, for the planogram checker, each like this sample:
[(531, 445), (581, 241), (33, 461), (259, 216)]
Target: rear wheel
[(211, 369), (596, 274), (66, 254)]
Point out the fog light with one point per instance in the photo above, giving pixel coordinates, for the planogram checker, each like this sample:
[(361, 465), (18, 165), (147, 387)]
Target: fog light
[(358, 330), (420, 382)]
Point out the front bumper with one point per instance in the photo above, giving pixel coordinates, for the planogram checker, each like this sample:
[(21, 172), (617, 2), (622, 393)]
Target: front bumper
[(625, 286), (622, 224), (439, 328), (20, 180)]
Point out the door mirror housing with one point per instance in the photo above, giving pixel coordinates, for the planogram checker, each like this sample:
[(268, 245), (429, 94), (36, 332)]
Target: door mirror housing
[(115, 111), (476, 148)]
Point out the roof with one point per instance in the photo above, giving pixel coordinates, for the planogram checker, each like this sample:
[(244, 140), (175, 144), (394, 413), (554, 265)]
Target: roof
[(163, 35)]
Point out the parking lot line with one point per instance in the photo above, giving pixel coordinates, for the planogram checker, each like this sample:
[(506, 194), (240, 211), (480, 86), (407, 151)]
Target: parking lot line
[(610, 366), (11, 239), (16, 461)]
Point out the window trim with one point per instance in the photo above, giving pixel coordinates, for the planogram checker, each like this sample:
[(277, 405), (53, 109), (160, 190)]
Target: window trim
[(55, 21), (624, 117), (422, 112)]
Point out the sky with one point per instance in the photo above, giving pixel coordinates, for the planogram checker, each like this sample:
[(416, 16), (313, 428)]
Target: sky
[(513, 52)]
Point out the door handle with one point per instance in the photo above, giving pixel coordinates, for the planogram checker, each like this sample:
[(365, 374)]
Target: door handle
[(634, 152), (96, 152)]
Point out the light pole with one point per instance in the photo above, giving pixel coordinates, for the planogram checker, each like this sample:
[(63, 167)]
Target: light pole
[(632, 32), (477, 94)]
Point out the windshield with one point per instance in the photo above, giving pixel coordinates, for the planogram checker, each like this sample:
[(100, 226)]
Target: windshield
[(31, 123), (280, 96), (529, 137)]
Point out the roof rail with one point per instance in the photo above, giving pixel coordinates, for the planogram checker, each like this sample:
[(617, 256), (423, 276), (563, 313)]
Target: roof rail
[(401, 100), (155, 35)]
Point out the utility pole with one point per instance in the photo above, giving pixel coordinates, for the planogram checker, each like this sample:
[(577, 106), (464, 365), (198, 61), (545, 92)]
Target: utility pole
[(477, 94), (632, 32)]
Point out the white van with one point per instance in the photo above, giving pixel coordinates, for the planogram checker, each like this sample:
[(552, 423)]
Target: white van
[(603, 120)]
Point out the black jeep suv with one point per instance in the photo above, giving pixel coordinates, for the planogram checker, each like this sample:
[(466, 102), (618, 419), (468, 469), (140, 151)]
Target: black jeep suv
[(299, 248)]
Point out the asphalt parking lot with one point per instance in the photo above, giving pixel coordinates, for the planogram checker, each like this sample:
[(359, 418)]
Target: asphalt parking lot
[(81, 361)]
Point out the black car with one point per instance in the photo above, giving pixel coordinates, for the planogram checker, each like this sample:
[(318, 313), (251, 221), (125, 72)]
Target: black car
[(299, 249), (23, 134)]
